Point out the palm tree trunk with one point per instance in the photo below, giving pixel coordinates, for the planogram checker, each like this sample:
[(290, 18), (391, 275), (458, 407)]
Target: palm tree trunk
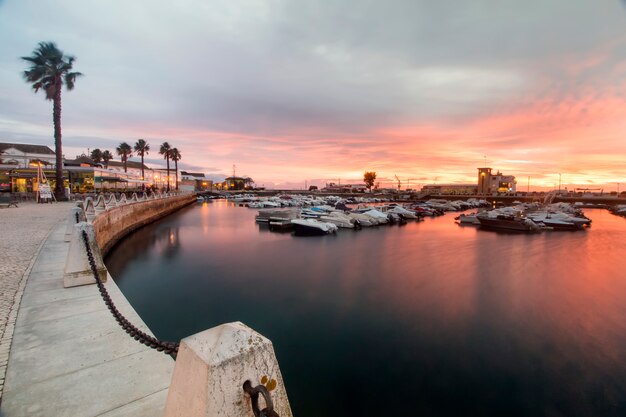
[(176, 165), (59, 190), (143, 185), (168, 173), (125, 162)]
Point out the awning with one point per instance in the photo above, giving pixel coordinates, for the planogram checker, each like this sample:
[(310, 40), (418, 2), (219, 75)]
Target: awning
[(110, 179)]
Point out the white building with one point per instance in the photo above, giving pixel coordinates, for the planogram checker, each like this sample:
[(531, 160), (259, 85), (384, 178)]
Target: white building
[(21, 155), (490, 183)]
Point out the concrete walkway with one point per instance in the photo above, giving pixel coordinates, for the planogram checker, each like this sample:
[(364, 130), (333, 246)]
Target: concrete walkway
[(68, 356)]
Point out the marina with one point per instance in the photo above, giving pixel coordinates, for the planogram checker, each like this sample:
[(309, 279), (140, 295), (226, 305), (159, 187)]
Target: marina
[(474, 322)]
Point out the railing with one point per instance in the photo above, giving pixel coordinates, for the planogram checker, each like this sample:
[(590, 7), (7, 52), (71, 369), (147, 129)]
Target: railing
[(106, 201)]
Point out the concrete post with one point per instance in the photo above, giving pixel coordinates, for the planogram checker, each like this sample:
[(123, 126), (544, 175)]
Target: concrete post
[(77, 269), (71, 221), (211, 368)]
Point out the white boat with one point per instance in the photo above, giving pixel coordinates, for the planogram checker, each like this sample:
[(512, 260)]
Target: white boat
[(312, 227), (559, 220), (365, 221), (380, 217), (408, 214), (340, 219), (467, 218), (267, 215)]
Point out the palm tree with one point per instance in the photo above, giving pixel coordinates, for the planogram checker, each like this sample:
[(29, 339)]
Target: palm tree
[(50, 69), (142, 148), (124, 151), (166, 150), (96, 155), (176, 156), (106, 157)]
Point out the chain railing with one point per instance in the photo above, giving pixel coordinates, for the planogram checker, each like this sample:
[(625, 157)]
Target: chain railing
[(170, 348)]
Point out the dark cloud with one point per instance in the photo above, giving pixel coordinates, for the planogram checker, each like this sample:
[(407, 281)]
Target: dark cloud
[(277, 81)]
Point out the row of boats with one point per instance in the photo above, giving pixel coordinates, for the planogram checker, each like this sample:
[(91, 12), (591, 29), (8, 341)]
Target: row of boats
[(317, 215), (529, 217), (325, 219), (619, 210)]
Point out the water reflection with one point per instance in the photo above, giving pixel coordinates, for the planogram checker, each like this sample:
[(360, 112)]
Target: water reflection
[(430, 319)]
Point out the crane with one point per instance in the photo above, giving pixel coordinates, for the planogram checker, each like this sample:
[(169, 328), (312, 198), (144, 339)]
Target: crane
[(399, 183)]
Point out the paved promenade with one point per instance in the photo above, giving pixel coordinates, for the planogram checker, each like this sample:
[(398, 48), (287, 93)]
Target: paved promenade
[(68, 356), (22, 232)]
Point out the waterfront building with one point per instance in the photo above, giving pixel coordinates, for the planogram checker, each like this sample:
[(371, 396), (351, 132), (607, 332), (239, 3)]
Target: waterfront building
[(194, 181), (21, 155), (20, 162), (234, 183), (344, 188), (490, 183)]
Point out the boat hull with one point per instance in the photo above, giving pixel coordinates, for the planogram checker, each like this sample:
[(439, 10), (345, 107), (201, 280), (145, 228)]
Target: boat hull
[(519, 225)]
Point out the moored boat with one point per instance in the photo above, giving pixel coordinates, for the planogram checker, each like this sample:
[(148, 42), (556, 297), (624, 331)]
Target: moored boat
[(508, 222), (312, 227)]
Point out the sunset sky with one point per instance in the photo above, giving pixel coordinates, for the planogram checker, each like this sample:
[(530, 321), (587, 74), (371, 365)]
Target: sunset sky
[(316, 91)]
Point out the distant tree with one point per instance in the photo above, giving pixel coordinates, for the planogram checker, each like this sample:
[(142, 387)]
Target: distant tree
[(142, 148), (312, 187), (106, 157), (165, 150), (96, 155), (49, 70), (175, 155), (369, 179), (124, 151), (248, 182)]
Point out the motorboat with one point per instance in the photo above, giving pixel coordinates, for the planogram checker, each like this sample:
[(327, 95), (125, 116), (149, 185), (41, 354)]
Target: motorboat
[(378, 216), (559, 220), (267, 215), (407, 214), (507, 222), (312, 227), (340, 219), (467, 218)]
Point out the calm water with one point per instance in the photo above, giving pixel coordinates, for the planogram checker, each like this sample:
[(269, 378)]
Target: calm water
[(428, 319)]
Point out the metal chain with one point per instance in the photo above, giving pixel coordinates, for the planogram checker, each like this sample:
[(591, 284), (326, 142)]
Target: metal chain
[(268, 411), (170, 348)]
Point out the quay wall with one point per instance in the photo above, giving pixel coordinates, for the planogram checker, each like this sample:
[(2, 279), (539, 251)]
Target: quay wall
[(113, 224)]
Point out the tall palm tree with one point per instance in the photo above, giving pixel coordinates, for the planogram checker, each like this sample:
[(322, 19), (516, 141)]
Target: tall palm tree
[(96, 155), (166, 150), (49, 70), (124, 151), (106, 157), (142, 148), (176, 156)]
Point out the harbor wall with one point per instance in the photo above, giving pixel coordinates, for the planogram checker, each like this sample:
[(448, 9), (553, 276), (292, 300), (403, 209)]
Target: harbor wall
[(115, 223)]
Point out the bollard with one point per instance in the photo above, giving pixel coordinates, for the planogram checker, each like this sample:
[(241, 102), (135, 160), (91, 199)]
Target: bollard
[(71, 221), (212, 367), (77, 268)]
